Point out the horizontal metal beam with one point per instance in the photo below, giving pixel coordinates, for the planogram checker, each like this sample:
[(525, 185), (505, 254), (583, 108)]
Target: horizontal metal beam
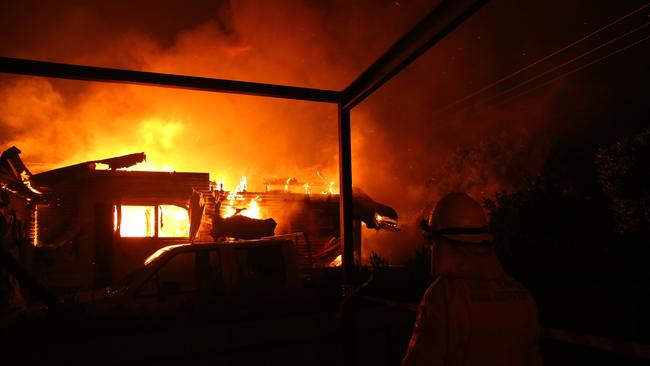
[(429, 31), (105, 74)]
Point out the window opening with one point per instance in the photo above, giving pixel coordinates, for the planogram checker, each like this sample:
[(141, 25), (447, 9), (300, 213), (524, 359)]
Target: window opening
[(137, 221), (163, 221)]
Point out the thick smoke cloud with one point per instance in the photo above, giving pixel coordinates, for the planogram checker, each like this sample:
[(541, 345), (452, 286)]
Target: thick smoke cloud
[(63, 122), (406, 152)]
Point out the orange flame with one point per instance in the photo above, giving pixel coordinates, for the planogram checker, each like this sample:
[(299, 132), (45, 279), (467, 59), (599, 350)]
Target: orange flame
[(236, 199), (164, 221), (337, 262)]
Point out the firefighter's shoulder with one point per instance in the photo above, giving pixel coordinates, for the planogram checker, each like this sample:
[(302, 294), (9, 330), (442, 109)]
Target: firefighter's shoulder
[(435, 295)]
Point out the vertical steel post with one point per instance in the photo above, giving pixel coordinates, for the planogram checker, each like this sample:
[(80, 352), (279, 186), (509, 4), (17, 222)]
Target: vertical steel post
[(345, 185), (347, 236)]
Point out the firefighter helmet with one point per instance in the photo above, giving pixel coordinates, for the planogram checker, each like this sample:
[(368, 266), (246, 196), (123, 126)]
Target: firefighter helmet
[(458, 217)]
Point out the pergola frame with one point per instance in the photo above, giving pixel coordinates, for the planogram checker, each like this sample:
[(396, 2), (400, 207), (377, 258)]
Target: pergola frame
[(439, 22)]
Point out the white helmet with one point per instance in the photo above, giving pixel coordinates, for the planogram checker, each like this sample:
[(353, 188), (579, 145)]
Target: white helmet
[(459, 218)]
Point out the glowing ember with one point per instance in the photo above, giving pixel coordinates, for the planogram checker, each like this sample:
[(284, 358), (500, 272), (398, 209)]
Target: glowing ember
[(337, 261), (286, 185), (25, 178), (330, 189), (36, 243), (253, 208), (148, 167), (385, 222)]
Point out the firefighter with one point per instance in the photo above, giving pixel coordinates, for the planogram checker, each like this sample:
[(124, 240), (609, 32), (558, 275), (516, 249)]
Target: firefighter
[(473, 313)]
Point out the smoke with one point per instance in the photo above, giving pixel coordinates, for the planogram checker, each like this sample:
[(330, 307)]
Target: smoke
[(397, 150), (408, 150), (56, 123)]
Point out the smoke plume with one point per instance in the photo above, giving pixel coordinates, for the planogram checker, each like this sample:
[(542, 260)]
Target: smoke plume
[(408, 149)]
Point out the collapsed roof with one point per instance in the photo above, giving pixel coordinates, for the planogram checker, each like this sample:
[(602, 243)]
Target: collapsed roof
[(17, 179), (119, 162)]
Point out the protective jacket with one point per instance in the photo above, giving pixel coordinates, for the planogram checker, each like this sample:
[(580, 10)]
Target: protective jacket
[(474, 314)]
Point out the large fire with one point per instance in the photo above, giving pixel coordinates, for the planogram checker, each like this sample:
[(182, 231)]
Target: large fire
[(174, 222), (135, 221)]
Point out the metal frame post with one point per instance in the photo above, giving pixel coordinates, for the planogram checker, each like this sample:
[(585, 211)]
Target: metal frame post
[(347, 236), (345, 199)]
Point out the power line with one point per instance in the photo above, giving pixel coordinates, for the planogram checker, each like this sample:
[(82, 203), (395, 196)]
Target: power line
[(510, 76), (573, 71), (555, 68)]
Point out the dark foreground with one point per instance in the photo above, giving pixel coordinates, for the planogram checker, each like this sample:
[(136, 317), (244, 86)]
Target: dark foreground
[(373, 328)]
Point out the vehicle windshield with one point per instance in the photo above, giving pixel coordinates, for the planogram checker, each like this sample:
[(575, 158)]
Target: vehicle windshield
[(125, 281), (162, 251)]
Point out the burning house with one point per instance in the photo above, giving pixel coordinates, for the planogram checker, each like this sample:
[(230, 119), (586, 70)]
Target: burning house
[(95, 222), (97, 225)]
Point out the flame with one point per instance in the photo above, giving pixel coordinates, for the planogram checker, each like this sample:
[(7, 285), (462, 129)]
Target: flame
[(173, 222), (385, 222), (337, 261), (149, 167), (115, 219), (236, 199), (330, 188), (137, 221), (253, 209), (36, 238), (27, 182), (141, 221), (158, 137), (176, 128)]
